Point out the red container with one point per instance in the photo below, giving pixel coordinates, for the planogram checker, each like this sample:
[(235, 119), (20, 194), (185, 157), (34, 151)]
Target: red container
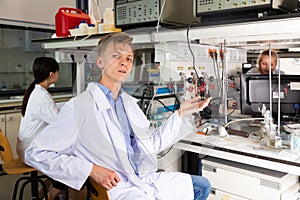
[(68, 18)]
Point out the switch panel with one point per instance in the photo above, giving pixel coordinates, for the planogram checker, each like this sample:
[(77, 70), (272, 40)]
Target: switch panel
[(69, 56), (140, 13), (204, 7)]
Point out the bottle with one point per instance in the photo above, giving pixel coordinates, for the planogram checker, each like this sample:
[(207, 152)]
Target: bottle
[(91, 29), (100, 27), (74, 31), (83, 26), (109, 20), (3, 87)]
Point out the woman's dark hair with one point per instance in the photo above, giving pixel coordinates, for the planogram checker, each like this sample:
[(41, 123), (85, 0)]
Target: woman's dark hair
[(41, 68)]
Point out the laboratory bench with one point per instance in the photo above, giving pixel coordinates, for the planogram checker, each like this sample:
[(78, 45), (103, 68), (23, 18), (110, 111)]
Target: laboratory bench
[(241, 167), (10, 104), (243, 150)]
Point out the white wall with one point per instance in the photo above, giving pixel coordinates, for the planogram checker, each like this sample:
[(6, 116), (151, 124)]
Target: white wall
[(102, 4), (32, 13), (290, 65)]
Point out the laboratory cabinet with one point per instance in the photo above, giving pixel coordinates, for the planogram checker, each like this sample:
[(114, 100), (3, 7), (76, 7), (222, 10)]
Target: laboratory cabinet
[(170, 160), (9, 124), (237, 181)]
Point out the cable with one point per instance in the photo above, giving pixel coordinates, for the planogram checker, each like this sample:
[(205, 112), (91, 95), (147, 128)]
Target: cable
[(221, 79), (189, 45), (150, 104), (159, 18), (165, 106), (244, 119), (215, 67), (232, 111), (142, 99), (296, 106), (205, 122), (224, 85), (279, 98), (270, 79), (165, 153), (92, 9), (157, 33), (86, 37)]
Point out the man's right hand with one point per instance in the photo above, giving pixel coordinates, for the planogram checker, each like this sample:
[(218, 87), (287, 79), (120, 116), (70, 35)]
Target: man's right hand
[(105, 177), (192, 105)]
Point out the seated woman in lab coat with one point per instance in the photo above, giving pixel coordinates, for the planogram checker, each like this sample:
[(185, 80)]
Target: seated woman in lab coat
[(39, 109), (263, 62), (103, 134)]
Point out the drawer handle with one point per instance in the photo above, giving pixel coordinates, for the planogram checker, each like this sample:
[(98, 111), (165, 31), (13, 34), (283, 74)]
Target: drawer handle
[(209, 168)]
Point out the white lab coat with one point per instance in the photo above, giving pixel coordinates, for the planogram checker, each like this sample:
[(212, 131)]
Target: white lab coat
[(40, 111), (89, 132)]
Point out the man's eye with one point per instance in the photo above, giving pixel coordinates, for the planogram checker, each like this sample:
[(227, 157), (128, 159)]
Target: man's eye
[(115, 56), (129, 60)]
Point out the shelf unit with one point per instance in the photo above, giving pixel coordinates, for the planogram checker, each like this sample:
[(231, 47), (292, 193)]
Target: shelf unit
[(274, 33), (278, 32)]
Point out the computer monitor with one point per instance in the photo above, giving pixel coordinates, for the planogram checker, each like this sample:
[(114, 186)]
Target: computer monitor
[(255, 92)]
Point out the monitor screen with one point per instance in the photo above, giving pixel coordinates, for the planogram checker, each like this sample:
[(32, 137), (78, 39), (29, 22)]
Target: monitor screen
[(255, 93)]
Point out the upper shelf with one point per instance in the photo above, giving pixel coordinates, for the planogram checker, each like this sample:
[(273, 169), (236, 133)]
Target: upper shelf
[(279, 33)]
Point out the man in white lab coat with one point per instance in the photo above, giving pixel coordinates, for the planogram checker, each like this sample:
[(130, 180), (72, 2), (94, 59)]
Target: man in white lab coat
[(103, 134)]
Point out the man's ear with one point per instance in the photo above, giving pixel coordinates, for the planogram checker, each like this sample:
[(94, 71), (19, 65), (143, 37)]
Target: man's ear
[(100, 63)]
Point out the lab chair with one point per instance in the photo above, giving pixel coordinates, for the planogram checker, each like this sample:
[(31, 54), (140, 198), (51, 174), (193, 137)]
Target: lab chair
[(96, 191), (16, 166)]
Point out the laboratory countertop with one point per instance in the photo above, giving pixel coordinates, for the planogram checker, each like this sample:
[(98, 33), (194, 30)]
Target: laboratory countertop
[(246, 150), (16, 102)]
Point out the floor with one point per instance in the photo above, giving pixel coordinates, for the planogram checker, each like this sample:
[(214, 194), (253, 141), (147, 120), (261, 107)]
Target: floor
[(7, 186)]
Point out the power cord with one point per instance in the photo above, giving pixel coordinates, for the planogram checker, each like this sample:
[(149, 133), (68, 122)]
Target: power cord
[(189, 46)]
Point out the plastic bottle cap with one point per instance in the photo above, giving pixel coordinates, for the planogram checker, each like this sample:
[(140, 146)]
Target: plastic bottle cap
[(91, 25)]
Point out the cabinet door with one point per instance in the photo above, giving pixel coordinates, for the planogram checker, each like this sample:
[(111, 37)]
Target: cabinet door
[(2, 123), (12, 129), (2, 127)]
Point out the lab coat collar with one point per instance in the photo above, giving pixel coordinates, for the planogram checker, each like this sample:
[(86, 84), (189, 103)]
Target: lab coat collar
[(98, 95)]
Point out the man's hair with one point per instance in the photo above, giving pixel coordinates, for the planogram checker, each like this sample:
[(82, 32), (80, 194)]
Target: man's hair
[(267, 53), (114, 38)]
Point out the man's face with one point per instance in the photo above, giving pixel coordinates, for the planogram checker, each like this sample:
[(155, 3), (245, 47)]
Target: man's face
[(265, 63), (116, 63)]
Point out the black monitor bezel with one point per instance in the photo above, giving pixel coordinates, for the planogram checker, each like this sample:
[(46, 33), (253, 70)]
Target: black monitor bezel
[(287, 107)]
